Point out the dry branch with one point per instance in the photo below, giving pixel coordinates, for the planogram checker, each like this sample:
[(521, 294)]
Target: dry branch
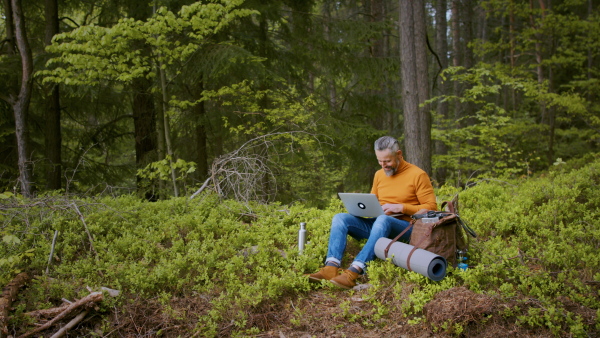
[(47, 313), (9, 294), (93, 297), (76, 208), (70, 325), (247, 173)]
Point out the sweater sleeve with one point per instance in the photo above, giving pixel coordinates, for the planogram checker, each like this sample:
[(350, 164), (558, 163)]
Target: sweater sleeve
[(425, 196)]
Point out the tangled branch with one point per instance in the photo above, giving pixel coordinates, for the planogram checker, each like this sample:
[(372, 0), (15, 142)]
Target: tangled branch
[(246, 173)]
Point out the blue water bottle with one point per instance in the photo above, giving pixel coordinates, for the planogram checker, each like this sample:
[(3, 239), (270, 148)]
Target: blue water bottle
[(462, 258)]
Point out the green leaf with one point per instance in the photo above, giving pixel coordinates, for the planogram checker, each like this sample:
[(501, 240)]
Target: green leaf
[(11, 239)]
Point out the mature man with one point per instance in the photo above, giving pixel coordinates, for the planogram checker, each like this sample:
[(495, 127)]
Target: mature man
[(402, 188)]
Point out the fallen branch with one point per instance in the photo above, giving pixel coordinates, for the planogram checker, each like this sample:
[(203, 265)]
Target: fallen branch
[(93, 297), (9, 294), (201, 188), (51, 251), (86, 228), (47, 313), (70, 324)]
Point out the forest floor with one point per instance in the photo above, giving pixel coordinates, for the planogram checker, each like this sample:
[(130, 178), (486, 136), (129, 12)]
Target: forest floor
[(325, 312)]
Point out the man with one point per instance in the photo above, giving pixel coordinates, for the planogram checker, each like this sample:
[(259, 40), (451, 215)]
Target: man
[(402, 188)]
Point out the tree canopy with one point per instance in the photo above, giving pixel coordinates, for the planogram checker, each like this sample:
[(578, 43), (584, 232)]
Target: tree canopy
[(157, 96)]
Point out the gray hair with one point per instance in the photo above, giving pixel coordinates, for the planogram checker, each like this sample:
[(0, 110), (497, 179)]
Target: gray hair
[(387, 143)]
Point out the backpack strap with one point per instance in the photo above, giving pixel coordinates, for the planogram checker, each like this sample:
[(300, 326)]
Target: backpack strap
[(387, 248), (451, 207), (415, 247)]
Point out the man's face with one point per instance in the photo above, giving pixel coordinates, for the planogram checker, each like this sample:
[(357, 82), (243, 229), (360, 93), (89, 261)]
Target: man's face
[(388, 160)]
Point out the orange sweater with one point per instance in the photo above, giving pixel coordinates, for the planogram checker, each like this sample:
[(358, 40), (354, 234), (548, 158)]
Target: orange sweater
[(410, 186)]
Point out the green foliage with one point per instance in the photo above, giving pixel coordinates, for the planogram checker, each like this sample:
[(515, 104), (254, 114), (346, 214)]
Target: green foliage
[(239, 255), (535, 254), (163, 169), (497, 142), (90, 54)]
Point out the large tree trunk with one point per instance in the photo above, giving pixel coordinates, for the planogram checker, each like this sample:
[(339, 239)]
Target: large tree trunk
[(420, 22), (20, 104), (145, 115), (417, 121), (441, 43), (53, 135)]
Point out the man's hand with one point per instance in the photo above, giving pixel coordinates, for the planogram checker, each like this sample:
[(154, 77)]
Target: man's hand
[(391, 209)]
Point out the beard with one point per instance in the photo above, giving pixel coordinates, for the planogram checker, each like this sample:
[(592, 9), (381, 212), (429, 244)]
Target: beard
[(391, 171)]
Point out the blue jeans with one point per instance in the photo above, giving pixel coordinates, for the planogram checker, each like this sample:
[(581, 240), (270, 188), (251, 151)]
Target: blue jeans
[(343, 225)]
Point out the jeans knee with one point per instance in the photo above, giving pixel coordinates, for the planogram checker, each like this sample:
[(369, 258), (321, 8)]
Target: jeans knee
[(339, 221), (382, 225)]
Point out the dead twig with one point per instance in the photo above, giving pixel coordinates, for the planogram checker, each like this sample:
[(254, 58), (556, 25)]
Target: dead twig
[(51, 251), (47, 313), (70, 324), (93, 297), (76, 208)]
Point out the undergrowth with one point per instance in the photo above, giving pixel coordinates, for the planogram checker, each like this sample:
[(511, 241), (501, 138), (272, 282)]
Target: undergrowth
[(535, 259)]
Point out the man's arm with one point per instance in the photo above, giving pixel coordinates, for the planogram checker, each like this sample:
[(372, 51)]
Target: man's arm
[(425, 196)]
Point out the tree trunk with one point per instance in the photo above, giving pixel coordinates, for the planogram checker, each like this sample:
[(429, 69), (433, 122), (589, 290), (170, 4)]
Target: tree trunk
[(511, 38), (376, 8), (456, 54), (331, 90), (468, 19), (20, 104), (202, 153), (420, 22), (10, 31), (166, 125), (53, 135), (144, 123), (441, 43), (417, 128)]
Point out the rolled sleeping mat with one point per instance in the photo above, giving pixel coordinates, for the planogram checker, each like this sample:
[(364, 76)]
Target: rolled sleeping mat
[(422, 261)]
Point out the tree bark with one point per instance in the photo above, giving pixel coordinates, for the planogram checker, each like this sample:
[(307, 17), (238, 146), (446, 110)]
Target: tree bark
[(53, 135), (441, 44), (166, 124), (377, 50), (145, 115), (417, 128), (10, 30), (20, 104), (202, 153), (144, 123), (424, 150), (456, 53)]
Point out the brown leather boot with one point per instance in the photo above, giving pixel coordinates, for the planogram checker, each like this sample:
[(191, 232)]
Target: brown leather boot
[(346, 280), (326, 272)]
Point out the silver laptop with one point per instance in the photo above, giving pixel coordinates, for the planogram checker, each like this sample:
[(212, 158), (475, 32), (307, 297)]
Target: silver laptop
[(361, 205)]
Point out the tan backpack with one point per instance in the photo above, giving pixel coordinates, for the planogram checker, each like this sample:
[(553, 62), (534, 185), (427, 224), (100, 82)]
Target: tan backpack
[(441, 232)]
